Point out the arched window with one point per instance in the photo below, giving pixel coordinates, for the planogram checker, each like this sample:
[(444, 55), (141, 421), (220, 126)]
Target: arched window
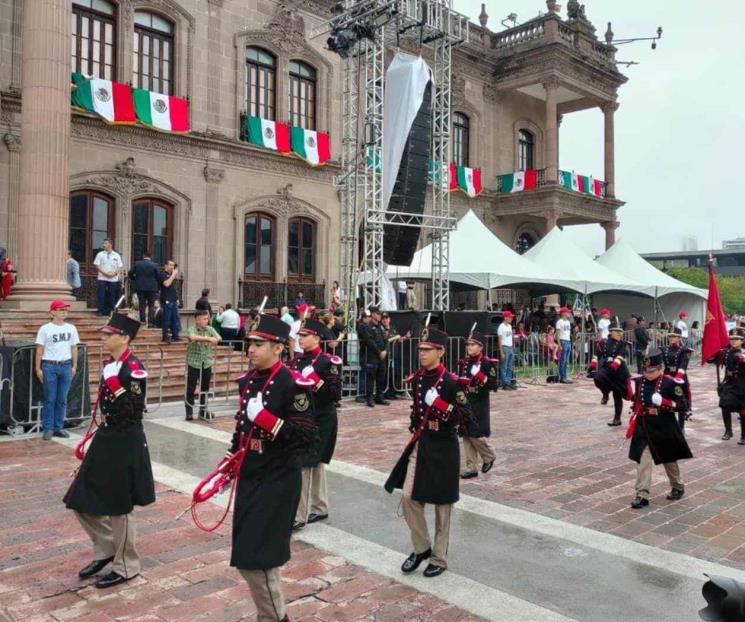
[(152, 229), (152, 53), (524, 242), (258, 240), (461, 139), (525, 151), (94, 38), (302, 95), (91, 222), (261, 75), (301, 250)]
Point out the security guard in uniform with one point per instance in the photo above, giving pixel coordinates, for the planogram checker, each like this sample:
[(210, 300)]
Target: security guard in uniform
[(612, 371), (324, 370), (116, 473), (428, 470), (676, 357), (376, 360), (732, 389), (275, 426)]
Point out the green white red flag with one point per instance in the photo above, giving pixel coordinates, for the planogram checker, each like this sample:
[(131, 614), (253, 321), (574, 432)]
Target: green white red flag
[(112, 101), (466, 179), (270, 134), (161, 112), (311, 146), (519, 181)]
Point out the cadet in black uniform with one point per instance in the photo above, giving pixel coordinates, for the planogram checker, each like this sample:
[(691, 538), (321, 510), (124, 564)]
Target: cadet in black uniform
[(324, 371), (676, 357), (440, 407), (481, 374), (275, 426), (732, 389), (115, 474), (656, 436), (612, 372)]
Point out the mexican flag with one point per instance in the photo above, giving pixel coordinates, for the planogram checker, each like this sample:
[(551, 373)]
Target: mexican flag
[(519, 181), (568, 180), (468, 180), (112, 101), (597, 187), (313, 147), (161, 112), (269, 134)]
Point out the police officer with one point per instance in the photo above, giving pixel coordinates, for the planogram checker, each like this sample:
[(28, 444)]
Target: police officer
[(440, 407), (656, 436), (732, 389), (675, 357), (324, 370), (376, 361), (274, 427), (115, 474), (612, 372), (480, 374)]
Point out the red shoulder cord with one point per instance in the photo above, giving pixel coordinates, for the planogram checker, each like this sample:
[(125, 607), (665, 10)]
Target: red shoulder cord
[(81, 448), (418, 432), (638, 405), (226, 474)]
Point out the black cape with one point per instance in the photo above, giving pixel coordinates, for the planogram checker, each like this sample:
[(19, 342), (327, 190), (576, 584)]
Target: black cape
[(478, 394)]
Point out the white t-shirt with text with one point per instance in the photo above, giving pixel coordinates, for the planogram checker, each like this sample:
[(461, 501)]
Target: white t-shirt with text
[(603, 326), (683, 327), (564, 328), (505, 334), (58, 340)]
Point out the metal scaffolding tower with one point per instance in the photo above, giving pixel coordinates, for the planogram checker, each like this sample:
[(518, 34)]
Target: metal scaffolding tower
[(438, 29)]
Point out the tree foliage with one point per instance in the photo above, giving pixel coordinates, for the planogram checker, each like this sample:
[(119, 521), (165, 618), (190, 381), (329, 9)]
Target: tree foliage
[(731, 288)]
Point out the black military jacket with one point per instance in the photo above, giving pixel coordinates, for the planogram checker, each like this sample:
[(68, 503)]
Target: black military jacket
[(328, 368), (478, 392), (676, 358)]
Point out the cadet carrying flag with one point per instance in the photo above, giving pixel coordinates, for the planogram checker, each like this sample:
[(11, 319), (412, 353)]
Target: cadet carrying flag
[(715, 327)]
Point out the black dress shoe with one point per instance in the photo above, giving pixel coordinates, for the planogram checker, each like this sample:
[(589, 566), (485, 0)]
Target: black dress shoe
[(727, 435), (486, 467), (60, 434), (112, 579), (298, 526), (741, 441), (382, 401), (189, 418), (412, 561), (615, 422), (360, 399), (433, 571), (604, 401), (469, 475), (95, 566), (314, 518), (565, 382), (639, 502), (675, 494), (370, 404)]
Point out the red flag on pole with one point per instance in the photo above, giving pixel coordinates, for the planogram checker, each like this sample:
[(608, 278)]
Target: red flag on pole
[(715, 328)]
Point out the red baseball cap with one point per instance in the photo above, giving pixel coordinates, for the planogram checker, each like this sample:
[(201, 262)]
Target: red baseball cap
[(565, 310), (58, 305), (604, 312), (682, 314), (507, 313)]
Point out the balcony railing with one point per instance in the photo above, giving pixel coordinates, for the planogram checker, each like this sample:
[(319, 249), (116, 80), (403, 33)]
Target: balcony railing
[(279, 294), (534, 179)]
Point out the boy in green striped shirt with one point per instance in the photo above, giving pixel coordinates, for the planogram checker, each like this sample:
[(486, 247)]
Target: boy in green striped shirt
[(201, 337)]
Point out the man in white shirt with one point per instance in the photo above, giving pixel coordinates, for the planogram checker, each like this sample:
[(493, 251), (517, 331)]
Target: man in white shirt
[(230, 323), (504, 334), (603, 324), (564, 333), (56, 363), (303, 311), (402, 289), (682, 326), (109, 266)]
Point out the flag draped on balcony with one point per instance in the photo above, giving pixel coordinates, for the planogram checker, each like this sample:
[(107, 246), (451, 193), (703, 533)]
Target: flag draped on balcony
[(270, 134), (466, 179), (161, 112), (581, 183), (313, 147), (519, 181), (112, 101)]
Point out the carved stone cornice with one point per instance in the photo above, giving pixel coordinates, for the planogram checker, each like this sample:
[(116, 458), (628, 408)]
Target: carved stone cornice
[(12, 142), (213, 175), (123, 186)]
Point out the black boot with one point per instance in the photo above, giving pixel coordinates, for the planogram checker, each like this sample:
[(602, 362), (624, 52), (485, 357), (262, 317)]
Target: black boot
[(617, 409), (604, 401), (370, 402), (727, 418)]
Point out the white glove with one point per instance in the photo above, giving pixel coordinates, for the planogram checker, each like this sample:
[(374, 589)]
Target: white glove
[(307, 371), (254, 407), (657, 399), (111, 370), (475, 369), (431, 396)]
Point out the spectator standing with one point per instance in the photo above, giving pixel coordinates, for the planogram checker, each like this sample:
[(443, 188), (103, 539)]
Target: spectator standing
[(336, 296), (300, 300), (230, 322), (402, 291), (202, 338), (564, 331), (73, 274), (524, 318), (108, 264), (203, 302), (504, 334), (169, 302), (7, 273), (410, 296), (144, 280), (682, 326), (56, 364), (641, 341), (157, 314), (603, 324), (363, 327), (284, 314)]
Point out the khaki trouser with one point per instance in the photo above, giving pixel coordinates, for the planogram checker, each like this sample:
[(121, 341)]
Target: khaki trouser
[(113, 536), (478, 451), (644, 474), (415, 519), (314, 494), (264, 586)]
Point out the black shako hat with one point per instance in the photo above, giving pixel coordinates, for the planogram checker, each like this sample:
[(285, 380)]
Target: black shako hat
[(312, 327), (434, 338), (737, 333), (119, 324), (477, 337), (675, 332), (270, 328), (653, 359)]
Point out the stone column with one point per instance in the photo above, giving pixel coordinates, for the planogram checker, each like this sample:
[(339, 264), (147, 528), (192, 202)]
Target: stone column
[(551, 146), (13, 143), (609, 110), (43, 206), (610, 232), (217, 281)]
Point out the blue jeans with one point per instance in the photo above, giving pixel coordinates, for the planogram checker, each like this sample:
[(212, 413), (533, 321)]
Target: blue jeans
[(107, 295), (57, 379), (505, 367), (170, 319), (566, 354)]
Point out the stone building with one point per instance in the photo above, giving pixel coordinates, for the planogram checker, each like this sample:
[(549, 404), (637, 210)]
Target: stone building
[(238, 217)]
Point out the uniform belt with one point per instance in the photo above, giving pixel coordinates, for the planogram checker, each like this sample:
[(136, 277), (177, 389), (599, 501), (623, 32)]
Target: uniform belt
[(65, 362), (650, 411)]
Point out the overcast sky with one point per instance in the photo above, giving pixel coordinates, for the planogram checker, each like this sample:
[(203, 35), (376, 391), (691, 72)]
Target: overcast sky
[(680, 127)]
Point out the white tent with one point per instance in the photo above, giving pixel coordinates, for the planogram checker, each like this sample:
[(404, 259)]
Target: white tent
[(480, 259), (556, 252)]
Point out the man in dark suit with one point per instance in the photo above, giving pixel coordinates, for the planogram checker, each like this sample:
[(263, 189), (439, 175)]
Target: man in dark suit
[(144, 276)]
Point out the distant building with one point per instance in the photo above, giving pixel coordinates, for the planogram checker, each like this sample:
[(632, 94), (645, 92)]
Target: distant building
[(690, 243), (737, 243), (730, 261)]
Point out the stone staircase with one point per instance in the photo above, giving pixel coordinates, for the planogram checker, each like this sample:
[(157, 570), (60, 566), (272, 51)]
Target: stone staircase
[(166, 363)]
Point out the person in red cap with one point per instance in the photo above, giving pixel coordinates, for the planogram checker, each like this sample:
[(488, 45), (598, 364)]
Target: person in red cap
[(56, 364), (682, 326), (564, 333), (504, 334), (603, 324)]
